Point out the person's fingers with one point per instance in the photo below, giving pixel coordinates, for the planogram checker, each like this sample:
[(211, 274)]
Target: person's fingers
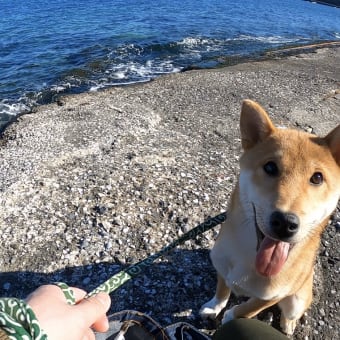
[(93, 308), (101, 325), (79, 294)]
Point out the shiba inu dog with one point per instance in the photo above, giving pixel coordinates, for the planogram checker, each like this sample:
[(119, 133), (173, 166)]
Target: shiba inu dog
[(288, 186)]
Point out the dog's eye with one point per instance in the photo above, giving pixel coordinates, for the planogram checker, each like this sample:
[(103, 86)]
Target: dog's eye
[(317, 178), (271, 169)]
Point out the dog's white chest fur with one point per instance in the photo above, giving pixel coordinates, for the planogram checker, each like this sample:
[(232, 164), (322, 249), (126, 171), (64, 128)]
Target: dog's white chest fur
[(233, 256)]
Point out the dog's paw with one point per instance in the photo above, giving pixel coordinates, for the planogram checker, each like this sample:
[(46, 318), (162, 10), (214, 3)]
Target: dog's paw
[(229, 315), (208, 313), (288, 326), (212, 308)]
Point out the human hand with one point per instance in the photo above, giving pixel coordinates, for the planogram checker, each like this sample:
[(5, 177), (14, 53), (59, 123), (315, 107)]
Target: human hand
[(59, 320)]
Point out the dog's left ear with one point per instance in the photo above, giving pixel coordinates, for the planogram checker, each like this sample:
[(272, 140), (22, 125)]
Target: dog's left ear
[(333, 141), (255, 124)]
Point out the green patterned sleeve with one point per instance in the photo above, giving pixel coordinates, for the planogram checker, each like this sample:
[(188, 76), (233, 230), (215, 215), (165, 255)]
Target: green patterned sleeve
[(18, 320)]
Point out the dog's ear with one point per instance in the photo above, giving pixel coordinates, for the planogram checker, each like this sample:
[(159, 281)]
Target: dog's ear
[(333, 141), (255, 124)]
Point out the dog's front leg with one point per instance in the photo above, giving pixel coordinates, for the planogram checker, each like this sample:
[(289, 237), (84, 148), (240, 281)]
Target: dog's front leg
[(212, 308), (248, 309)]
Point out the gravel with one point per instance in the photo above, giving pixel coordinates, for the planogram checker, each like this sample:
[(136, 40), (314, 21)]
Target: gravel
[(98, 181)]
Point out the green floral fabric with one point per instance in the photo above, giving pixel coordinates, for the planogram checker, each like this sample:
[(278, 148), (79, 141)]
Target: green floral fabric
[(17, 319)]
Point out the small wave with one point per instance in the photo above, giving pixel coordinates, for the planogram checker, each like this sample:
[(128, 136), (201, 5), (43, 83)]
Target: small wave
[(13, 109), (270, 39), (195, 44), (119, 74), (99, 87), (138, 70), (8, 111), (133, 72), (199, 49), (195, 41), (10, 108)]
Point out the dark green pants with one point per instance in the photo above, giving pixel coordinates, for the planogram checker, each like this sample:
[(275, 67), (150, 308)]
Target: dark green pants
[(247, 329)]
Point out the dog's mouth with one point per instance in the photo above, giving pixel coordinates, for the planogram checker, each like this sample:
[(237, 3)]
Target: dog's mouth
[(271, 254)]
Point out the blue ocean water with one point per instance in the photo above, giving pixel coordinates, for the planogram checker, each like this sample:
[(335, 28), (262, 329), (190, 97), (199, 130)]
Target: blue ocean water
[(48, 48)]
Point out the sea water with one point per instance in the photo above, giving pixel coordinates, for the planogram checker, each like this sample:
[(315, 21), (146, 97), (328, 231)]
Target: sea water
[(48, 48)]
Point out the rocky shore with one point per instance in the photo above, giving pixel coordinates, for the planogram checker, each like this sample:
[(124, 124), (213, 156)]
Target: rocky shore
[(101, 180)]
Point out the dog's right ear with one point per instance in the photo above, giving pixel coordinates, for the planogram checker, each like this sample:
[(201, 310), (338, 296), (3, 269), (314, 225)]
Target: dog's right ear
[(333, 141), (255, 124)]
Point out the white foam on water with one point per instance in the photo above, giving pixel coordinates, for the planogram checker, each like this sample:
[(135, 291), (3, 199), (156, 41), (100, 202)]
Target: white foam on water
[(195, 48), (95, 88), (12, 109), (136, 70), (60, 88), (216, 44), (194, 41), (197, 44), (269, 39), (98, 87), (119, 75)]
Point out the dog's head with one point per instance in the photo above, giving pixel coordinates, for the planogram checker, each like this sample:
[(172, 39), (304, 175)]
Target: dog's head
[(290, 180)]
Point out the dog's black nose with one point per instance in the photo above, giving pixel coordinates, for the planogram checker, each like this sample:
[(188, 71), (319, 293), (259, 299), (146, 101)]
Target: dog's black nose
[(284, 225)]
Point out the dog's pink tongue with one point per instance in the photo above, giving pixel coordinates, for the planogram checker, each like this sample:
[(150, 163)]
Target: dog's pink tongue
[(271, 256)]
